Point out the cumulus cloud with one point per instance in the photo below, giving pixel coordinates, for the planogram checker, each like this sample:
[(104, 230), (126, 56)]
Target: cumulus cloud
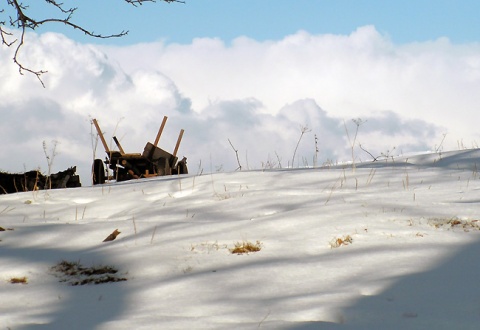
[(348, 75), (256, 95)]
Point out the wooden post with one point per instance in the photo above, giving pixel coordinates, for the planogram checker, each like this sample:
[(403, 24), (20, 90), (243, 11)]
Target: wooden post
[(118, 145), (100, 134), (178, 142), (160, 130)]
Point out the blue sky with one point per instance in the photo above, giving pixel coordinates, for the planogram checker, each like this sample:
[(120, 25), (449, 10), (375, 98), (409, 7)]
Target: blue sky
[(402, 21)]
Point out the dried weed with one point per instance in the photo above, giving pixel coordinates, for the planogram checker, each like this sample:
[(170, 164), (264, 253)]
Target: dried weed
[(18, 280), (337, 242), (246, 247)]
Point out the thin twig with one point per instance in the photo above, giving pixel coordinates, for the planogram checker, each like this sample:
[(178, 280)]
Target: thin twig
[(374, 158), (304, 129), (236, 154), (153, 234)]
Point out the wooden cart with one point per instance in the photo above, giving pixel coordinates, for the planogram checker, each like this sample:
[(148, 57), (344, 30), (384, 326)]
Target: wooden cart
[(154, 161)]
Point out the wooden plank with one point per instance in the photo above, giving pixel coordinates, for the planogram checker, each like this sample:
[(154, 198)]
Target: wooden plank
[(164, 121), (178, 142), (118, 145), (134, 155), (100, 134)]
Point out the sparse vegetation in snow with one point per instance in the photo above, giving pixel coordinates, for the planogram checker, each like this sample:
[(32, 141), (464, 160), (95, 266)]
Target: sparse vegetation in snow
[(74, 273)]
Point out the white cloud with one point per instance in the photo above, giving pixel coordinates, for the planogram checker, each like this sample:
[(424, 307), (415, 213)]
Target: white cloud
[(257, 94), (352, 75)]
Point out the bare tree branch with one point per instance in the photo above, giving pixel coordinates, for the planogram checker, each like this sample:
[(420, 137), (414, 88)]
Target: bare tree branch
[(140, 2), (18, 19)]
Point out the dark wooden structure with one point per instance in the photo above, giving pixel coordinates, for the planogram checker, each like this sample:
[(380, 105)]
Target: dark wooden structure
[(153, 161), (34, 180)]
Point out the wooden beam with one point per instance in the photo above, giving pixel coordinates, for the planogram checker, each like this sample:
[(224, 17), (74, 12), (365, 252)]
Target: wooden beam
[(118, 145), (178, 142), (160, 130), (100, 134)]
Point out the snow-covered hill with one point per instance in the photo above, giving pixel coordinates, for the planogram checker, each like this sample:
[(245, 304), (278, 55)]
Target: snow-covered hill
[(392, 244)]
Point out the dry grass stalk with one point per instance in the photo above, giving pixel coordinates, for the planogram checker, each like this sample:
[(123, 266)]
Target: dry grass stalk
[(153, 234)]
